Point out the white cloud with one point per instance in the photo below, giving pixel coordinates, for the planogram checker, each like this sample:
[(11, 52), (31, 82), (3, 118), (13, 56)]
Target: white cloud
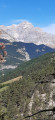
[(50, 28), (17, 21)]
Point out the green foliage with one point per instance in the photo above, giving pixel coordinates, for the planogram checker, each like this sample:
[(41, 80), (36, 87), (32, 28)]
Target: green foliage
[(14, 101), (42, 63)]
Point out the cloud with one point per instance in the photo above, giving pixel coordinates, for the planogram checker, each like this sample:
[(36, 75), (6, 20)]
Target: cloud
[(17, 21), (50, 28)]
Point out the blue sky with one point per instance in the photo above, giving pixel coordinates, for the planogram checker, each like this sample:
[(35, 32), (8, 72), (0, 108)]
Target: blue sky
[(40, 13)]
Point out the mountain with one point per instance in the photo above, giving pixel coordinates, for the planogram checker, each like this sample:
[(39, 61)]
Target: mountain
[(26, 32), (28, 92), (19, 52)]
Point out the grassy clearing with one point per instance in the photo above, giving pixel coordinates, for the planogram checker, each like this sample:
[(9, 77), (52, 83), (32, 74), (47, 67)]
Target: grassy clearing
[(4, 88), (12, 80), (5, 85)]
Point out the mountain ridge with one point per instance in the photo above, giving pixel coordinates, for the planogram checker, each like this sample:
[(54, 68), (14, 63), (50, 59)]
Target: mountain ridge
[(26, 32), (24, 51), (19, 52)]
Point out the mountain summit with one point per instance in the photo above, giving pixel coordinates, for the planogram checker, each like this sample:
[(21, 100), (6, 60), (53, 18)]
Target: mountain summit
[(26, 32)]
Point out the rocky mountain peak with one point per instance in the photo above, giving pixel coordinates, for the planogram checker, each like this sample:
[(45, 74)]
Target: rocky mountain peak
[(39, 29), (25, 25), (26, 32)]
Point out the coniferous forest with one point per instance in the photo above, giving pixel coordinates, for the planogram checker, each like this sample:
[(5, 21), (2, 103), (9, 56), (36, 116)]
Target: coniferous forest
[(32, 94)]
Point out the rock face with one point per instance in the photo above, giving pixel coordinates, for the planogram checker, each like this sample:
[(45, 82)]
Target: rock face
[(26, 32)]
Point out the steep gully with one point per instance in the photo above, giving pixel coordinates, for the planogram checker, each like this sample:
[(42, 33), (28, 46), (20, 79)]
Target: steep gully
[(44, 110)]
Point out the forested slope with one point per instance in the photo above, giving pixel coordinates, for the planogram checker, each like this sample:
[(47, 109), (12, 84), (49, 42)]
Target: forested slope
[(33, 93)]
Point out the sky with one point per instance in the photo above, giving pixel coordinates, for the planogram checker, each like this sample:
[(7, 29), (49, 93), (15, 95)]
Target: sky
[(41, 13)]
